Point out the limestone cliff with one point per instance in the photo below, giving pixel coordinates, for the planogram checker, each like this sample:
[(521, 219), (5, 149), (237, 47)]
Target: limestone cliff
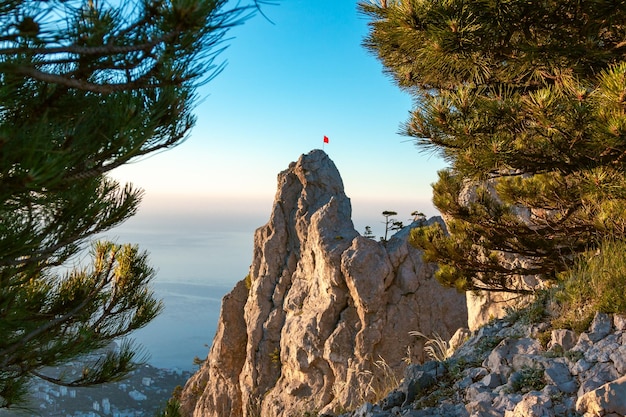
[(320, 307)]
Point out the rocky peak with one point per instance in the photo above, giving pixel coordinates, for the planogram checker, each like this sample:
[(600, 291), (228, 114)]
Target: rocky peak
[(320, 311)]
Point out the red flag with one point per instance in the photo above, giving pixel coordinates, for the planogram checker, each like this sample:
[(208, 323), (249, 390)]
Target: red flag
[(325, 139)]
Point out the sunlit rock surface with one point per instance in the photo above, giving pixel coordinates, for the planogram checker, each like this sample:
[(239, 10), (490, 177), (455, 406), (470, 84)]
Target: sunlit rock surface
[(325, 314)]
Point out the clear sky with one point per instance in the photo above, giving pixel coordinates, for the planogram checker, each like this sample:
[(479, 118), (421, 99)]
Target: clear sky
[(288, 83)]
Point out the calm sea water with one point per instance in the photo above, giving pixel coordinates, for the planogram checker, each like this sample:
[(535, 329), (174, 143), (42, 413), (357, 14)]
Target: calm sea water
[(186, 327), (196, 267)]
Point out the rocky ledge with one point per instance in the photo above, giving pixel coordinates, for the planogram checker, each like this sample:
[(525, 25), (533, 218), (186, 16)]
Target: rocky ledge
[(504, 369)]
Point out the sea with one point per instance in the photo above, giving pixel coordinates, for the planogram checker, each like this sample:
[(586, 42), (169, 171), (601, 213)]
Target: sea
[(197, 260)]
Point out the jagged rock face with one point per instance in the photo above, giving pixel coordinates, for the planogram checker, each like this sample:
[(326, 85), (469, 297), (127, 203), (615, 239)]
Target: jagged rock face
[(324, 305)]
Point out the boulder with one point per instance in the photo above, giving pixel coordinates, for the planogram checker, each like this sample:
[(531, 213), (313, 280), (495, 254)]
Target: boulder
[(533, 404), (618, 357), (564, 338), (600, 327), (607, 399), (619, 322), (558, 374)]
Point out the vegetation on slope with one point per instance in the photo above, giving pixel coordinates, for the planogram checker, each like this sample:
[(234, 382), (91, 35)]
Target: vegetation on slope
[(525, 100), (86, 86)]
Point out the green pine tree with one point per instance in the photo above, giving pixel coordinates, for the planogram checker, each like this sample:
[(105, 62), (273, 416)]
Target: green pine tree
[(526, 101), (86, 86)]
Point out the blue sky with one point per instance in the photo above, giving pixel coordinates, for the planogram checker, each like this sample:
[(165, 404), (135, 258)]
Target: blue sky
[(287, 83)]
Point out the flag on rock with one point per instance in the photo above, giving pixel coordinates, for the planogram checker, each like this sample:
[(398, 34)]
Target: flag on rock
[(325, 139)]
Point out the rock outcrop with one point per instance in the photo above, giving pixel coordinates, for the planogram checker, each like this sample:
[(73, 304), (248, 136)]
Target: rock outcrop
[(484, 306), (322, 321), (504, 369)]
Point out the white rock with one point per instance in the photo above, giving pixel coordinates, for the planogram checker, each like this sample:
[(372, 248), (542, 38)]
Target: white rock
[(609, 398), (533, 404), (619, 322)]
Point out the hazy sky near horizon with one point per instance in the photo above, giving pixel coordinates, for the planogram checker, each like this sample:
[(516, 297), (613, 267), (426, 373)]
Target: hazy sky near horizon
[(286, 84)]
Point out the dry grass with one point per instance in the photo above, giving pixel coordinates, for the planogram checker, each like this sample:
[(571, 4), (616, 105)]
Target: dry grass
[(435, 347), (595, 284), (375, 384)]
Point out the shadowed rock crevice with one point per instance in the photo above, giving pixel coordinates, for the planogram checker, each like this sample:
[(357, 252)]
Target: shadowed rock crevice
[(324, 304)]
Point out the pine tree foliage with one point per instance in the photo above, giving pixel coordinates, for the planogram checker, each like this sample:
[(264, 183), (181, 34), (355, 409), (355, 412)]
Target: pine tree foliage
[(87, 86), (526, 101)]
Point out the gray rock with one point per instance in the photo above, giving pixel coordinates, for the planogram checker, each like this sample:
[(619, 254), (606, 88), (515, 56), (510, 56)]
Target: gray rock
[(506, 402), (512, 332), (583, 344), (500, 360), (596, 377), (618, 357), (565, 407), (419, 382), (481, 404), (515, 379), (474, 390), (580, 366), (446, 410), (492, 380), (463, 383), (456, 410), (589, 384), (528, 361), (505, 389), (394, 399), (603, 372), (373, 411), (434, 368), (551, 391), (558, 374), (476, 373), (565, 338), (535, 329), (602, 349), (600, 327)]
